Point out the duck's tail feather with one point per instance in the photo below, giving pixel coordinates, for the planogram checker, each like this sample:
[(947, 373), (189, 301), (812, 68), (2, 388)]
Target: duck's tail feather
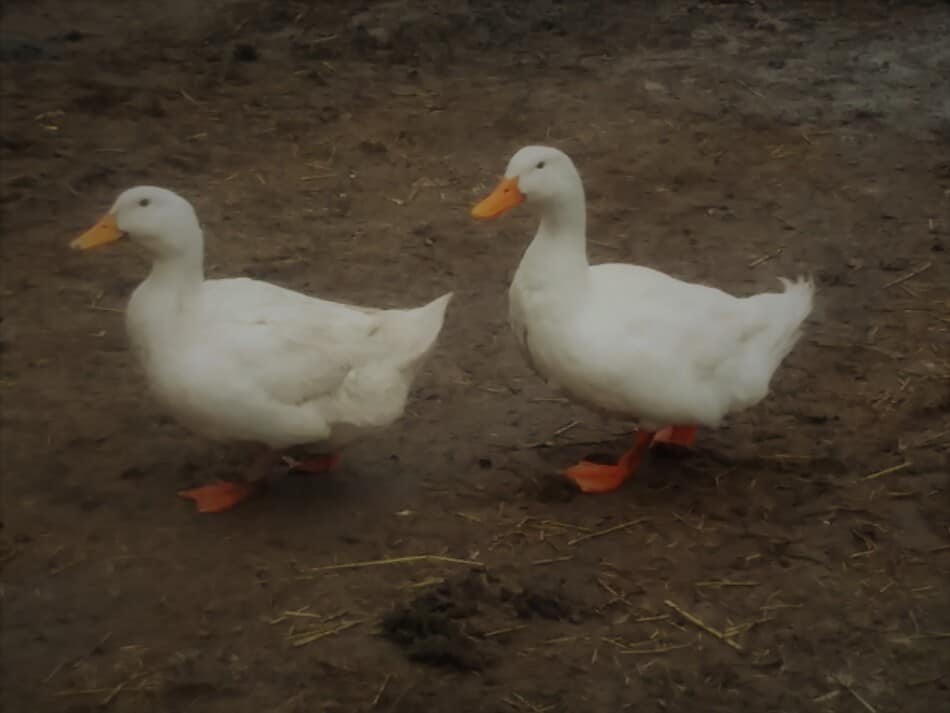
[(795, 305), (414, 333)]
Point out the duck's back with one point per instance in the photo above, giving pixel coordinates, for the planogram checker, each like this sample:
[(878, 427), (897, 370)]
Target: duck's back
[(249, 360), (294, 346), (669, 351)]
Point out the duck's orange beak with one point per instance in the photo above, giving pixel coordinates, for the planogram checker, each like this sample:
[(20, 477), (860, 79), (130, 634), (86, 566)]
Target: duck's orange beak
[(105, 231), (505, 197)]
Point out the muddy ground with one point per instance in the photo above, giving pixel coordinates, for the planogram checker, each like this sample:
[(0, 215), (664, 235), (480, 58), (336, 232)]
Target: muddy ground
[(337, 150)]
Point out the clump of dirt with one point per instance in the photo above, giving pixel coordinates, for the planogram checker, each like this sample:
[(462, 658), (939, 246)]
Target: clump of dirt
[(434, 638), (460, 623), (542, 601), (432, 627)]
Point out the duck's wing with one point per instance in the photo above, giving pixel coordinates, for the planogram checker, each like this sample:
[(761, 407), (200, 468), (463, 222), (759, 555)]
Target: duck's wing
[(673, 319), (294, 347), (299, 348), (697, 344)]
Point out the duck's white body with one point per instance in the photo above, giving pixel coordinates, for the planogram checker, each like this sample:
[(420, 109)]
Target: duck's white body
[(630, 340), (246, 360), (637, 343)]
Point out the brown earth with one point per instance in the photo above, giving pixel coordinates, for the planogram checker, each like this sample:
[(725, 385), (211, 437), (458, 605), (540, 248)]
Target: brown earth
[(337, 150)]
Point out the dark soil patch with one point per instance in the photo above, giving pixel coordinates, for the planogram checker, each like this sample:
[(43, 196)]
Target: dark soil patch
[(461, 623), (336, 148)]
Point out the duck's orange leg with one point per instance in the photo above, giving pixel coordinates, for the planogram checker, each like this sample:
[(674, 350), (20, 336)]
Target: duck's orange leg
[(220, 496), (597, 478), (684, 436), (315, 465), (225, 494)]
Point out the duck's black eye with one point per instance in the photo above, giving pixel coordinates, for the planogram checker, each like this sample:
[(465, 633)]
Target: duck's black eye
[(540, 164), (144, 202)]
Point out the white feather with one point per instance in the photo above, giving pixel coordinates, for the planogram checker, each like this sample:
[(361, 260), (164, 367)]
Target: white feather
[(247, 360), (630, 340)]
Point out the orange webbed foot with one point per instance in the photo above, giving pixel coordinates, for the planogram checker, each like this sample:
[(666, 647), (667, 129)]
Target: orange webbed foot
[(219, 496), (596, 477), (315, 465), (682, 436)]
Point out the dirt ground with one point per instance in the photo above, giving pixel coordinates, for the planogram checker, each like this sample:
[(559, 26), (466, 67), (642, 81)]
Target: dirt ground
[(798, 559)]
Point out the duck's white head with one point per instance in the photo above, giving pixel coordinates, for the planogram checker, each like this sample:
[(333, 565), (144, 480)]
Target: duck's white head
[(159, 220), (539, 174)]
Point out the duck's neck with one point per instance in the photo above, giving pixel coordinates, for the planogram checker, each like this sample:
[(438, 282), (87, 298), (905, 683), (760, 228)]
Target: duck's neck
[(564, 222), (163, 304), (558, 253), (180, 274)]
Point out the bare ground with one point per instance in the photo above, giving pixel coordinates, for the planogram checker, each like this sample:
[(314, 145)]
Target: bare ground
[(337, 150)]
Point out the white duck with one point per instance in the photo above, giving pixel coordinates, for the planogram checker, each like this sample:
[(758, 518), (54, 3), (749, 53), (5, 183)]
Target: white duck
[(244, 360), (629, 340)]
